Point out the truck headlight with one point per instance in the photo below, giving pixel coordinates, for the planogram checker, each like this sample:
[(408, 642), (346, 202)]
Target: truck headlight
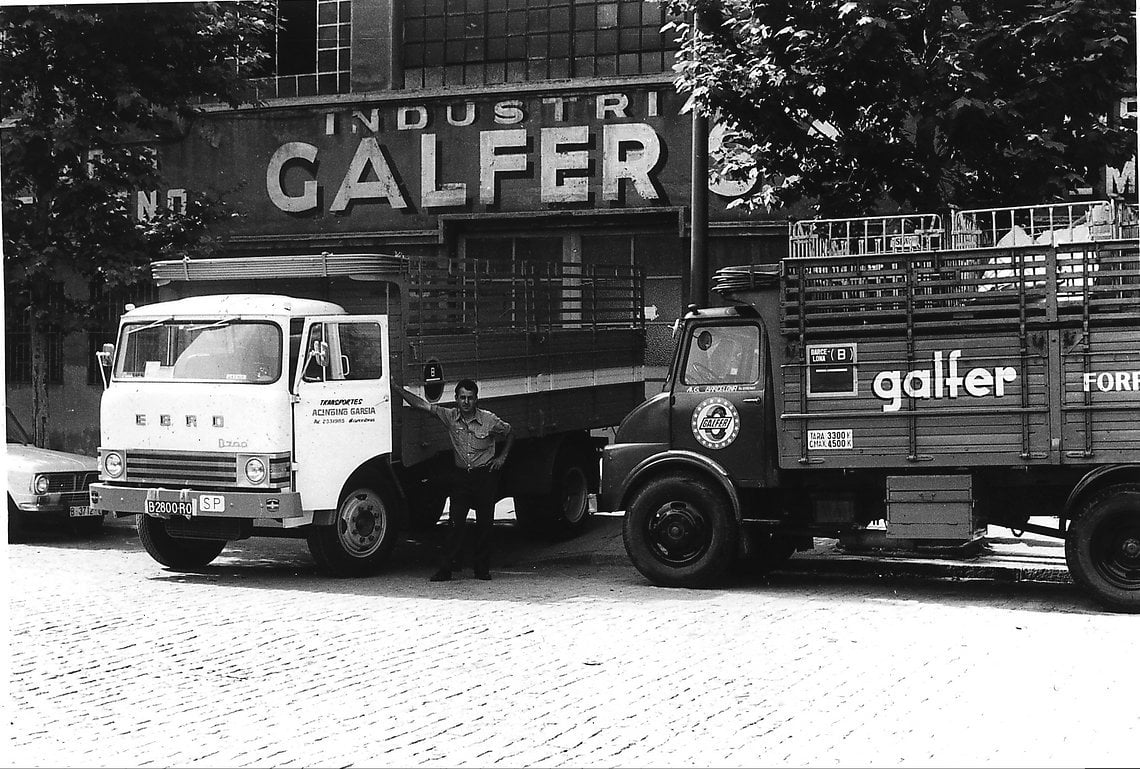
[(255, 470), (113, 464), (40, 484)]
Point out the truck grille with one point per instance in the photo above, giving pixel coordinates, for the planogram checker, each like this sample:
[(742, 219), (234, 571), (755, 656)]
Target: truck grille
[(193, 468)]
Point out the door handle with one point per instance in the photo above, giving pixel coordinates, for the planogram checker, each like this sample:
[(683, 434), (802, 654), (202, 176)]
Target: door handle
[(752, 400)]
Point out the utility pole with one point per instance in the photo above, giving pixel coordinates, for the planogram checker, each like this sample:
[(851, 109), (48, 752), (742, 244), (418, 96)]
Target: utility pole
[(699, 200)]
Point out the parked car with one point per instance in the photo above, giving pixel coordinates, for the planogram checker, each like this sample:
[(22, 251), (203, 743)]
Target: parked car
[(47, 485)]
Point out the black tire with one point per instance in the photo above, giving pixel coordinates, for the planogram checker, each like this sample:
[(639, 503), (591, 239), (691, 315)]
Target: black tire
[(680, 532), (1102, 547), (174, 552), (88, 526), (17, 528), (531, 513), (361, 537), (563, 512), (766, 551)]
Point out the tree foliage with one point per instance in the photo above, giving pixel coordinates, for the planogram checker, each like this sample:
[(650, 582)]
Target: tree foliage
[(864, 104), (86, 94)]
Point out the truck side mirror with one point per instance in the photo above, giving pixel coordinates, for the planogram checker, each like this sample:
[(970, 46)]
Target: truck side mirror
[(317, 357), (320, 352), (105, 357)]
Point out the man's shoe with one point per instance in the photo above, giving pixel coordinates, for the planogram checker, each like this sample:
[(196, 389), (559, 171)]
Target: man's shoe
[(482, 574), (443, 575)]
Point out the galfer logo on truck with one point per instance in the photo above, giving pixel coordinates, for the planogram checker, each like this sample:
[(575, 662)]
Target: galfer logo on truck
[(715, 422), (941, 380)]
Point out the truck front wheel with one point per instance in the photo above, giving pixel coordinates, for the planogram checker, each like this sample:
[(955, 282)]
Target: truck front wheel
[(1102, 547), (680, 532), (360, 538), (175, 552)]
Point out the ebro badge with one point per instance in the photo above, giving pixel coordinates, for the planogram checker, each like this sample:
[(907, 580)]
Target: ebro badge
[(715, 422)]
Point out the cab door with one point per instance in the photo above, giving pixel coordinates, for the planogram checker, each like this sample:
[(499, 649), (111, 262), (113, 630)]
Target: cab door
[(719, 396), (342, 411)]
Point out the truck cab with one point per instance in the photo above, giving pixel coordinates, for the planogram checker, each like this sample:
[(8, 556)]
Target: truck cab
[(225, 414)]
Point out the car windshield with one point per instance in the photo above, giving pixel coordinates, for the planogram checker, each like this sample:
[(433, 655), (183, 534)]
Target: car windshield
[(213, 350), (16, 432)]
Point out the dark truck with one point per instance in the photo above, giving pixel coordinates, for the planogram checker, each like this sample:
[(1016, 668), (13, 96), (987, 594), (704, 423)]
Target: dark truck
[(896, 376)]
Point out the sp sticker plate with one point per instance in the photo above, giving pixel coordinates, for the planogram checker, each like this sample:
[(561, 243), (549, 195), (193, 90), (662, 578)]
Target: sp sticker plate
[(715, 423)]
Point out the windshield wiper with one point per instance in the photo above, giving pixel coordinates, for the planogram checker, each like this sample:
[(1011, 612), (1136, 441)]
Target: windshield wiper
[(158, 322), (215, 324)]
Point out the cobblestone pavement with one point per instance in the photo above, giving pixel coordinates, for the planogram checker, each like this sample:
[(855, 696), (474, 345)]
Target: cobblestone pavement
[(259, 660)]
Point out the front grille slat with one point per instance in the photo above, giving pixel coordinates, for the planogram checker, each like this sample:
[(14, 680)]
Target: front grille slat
[(195, 469)]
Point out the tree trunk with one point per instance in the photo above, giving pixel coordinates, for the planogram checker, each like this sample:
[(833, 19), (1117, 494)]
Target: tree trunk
[(37, 342)]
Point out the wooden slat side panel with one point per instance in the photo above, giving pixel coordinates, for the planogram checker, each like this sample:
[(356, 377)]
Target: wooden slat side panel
[(979, 428), (1101, 395)]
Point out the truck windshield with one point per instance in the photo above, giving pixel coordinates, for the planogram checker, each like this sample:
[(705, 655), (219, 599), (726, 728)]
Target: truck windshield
[(728, 355), (217, 350)]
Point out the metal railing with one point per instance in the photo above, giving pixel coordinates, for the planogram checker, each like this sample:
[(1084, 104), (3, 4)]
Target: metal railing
[(446, 296), (1050, 224), (865, 235)]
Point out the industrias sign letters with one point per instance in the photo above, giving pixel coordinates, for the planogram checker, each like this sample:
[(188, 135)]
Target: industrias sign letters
[(586, 149)]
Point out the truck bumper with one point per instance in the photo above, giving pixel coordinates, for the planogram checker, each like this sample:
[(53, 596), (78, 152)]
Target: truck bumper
[(190, 503)]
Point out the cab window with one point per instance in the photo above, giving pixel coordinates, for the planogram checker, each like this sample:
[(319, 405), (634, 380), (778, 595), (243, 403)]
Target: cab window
[(728, 355)]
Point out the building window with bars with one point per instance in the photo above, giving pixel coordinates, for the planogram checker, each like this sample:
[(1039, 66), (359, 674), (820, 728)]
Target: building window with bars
[(18, 348), (107, 307), (474, 42), (313, 48)]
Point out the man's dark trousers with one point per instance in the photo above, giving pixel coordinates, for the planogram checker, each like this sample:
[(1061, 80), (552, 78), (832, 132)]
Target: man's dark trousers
[(478, 489)]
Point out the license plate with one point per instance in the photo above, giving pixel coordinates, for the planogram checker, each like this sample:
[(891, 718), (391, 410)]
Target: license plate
[(80, 511), (169, 507)]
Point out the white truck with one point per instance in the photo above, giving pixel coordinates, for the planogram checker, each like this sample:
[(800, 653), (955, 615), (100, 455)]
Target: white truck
[(230, 412)]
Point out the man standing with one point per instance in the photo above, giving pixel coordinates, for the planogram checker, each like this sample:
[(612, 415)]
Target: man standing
[(475, 480)]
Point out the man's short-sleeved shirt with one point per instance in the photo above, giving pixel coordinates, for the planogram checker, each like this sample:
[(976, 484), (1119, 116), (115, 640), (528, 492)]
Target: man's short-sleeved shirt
[(472, 440)]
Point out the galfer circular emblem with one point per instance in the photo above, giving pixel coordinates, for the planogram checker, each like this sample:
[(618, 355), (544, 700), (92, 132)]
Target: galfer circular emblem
[(715, 422)]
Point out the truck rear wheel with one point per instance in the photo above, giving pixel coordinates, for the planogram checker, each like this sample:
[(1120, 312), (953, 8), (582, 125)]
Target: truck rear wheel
[(425, 507), (174, 552), (680, 532), (360, 538), (561, 513), (1102, 547)]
